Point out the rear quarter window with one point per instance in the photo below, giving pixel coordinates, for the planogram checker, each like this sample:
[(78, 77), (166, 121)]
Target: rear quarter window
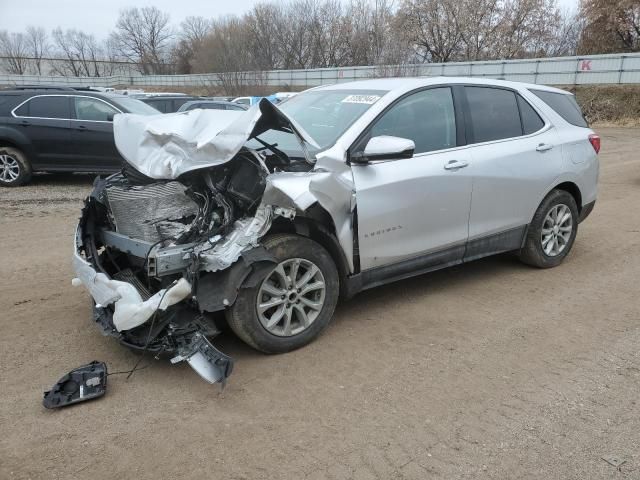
[(531, 121), (563, 104)]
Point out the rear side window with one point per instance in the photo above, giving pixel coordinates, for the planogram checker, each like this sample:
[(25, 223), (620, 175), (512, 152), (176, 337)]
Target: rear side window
[(46, 107), (494, 113), (563, 104), (531, 121)]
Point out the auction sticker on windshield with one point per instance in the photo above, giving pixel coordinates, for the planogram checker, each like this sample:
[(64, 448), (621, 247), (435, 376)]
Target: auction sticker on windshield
[(367, 99)]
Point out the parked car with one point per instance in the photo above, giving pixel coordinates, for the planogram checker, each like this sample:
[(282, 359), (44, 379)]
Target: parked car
[(59, 129), (211, 105), (167, 103), (272, 214), (248, 101)]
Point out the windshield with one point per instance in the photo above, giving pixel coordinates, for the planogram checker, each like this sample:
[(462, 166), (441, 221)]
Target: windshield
[(132, 105), (324, 114)]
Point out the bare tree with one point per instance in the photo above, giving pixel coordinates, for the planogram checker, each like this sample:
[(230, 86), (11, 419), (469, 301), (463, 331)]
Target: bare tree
[(81, 53), (142, 35), (527, 28), (433, 27), (610, 26), (38, 43), (15, 50), (264, 23), (193, 31), (567, 36)]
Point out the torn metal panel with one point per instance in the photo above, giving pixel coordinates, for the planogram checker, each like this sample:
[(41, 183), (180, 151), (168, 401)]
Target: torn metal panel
[(246, 232), (330, 184), (289, 189), (337, 197), (167, 146)]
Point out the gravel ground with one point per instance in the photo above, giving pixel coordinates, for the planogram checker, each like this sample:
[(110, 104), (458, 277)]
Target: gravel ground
[(489, 370)]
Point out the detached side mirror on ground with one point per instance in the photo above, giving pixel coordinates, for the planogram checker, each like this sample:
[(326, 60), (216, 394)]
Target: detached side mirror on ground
[(385, 147)]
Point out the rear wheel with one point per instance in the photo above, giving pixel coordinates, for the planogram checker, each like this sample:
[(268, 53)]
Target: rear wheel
[(15, 169), (291, 304), (552, 231)]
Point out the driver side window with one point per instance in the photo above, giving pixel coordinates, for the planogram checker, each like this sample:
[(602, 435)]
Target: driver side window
[(426, 117)]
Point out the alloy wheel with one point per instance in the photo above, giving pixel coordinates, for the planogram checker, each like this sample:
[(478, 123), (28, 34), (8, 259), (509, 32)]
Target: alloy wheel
[(556, 230), (9, 168), (291, 297)]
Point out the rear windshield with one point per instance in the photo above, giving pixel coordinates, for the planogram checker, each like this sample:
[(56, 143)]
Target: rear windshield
[(564, 105)]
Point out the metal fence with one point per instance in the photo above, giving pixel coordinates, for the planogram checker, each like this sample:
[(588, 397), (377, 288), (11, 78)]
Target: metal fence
[(591, 69)]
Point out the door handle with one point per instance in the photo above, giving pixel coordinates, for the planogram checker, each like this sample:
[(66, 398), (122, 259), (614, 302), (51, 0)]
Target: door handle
[(543, 147), (25, 123), (81, 128), (455, 165)]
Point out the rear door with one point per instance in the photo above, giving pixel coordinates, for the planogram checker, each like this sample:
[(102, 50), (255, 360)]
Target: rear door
[(92, 135), (415, 207), (516, 156), (45, 120)]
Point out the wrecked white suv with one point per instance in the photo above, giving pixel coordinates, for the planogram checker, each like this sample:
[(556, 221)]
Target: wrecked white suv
[(272, 214)]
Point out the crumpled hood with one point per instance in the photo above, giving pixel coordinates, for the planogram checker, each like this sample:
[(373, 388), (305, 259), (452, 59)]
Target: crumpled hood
[(166, 146)]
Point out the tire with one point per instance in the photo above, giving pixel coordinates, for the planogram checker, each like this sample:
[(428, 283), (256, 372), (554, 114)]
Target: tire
[(544, 228), (292, 252), (15, 169)]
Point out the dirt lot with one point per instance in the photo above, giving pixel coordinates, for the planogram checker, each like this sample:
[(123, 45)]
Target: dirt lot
[(489, 370)]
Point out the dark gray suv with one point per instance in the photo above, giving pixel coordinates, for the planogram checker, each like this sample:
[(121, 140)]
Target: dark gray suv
[(58, 129)]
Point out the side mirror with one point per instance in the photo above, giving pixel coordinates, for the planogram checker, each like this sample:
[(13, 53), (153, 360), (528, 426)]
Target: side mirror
[(385, 147), (110, 117)]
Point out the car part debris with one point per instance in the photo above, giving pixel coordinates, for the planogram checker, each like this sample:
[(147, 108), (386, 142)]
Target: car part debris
[(211, 364), (615, 461), (79, 385)]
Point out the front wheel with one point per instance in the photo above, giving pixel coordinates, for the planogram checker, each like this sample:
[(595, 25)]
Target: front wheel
[(291, 304), (15, 169), (552, 231)]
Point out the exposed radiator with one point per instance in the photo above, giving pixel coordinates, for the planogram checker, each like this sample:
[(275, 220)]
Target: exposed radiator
[(148, 212), (128, 276)]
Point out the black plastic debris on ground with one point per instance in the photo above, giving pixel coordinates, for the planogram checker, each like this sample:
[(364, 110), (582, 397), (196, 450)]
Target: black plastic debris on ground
[(79, 385)]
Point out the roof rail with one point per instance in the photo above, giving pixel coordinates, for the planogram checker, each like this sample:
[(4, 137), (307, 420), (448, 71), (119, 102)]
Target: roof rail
[(40, 87)]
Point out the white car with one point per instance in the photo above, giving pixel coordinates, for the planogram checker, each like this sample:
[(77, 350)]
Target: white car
[(272, 214)]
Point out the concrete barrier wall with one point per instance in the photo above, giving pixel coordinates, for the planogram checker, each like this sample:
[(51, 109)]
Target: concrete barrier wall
[(591, 69)]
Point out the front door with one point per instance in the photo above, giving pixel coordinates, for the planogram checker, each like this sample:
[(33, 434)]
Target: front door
[(92, 135), (416, 207)]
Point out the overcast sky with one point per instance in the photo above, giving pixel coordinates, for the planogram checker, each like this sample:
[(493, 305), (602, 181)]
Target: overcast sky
[(99, 16)]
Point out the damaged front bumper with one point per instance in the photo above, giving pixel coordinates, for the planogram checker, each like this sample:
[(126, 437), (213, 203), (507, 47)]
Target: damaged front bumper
[(121, 311)]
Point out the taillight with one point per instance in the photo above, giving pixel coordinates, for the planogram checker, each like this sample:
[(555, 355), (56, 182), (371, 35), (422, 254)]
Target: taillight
[(595, 142)]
